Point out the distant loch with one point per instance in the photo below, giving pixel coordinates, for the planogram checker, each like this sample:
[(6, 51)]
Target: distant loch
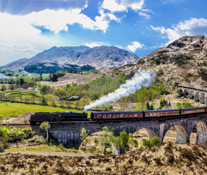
[(3, 76)]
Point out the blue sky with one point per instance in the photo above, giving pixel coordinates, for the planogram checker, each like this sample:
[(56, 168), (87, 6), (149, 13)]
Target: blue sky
[(28, 27)]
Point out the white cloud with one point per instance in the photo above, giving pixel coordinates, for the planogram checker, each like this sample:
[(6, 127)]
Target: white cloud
[(22, 30), (91, 45), (102, 21), (147, 16), (171, 1), (57, 20), (122, 5), (193, 26), (134, 46)]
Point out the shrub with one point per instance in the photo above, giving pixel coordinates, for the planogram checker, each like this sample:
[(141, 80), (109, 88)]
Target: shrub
[(162, 102), (155, 141), (203, 74), (62, 148), (146, 142), (28, 133), (180, 92)]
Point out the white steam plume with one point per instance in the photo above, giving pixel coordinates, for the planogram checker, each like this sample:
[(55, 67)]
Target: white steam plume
[(141, 78)]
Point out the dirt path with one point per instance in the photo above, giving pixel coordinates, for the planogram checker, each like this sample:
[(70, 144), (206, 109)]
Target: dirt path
[(64, 154)]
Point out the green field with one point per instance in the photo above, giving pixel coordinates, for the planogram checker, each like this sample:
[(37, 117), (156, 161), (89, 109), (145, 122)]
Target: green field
[(16, 109)]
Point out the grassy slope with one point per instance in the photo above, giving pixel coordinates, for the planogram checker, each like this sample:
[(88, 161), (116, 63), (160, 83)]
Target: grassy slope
[(169, 159), (16, 109), (42, 148)]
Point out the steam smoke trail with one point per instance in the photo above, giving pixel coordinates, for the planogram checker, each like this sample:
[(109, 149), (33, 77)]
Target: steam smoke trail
[(141, 78)]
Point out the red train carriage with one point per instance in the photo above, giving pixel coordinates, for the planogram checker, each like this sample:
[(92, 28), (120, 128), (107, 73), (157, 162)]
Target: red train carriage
[(161, 113), (116, 115), (192, 110)]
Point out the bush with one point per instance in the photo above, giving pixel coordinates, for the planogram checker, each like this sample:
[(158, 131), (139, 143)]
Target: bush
[(203, 74), (146, 142), (180, 92), (28, 133), (155, 141)]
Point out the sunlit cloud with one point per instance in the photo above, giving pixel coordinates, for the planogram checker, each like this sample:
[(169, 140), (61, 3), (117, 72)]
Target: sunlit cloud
[(193, 26), (122, 5), (134, 46)]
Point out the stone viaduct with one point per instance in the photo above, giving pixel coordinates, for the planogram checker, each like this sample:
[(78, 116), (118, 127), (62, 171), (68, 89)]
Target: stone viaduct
[(68, 133), (198, 95)]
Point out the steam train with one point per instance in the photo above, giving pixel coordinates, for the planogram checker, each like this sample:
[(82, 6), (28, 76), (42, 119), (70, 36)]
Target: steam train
[(39, 117)]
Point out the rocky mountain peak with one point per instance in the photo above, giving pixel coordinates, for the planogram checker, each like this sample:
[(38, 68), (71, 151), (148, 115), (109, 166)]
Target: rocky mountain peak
[(183, 61), (103, 56)]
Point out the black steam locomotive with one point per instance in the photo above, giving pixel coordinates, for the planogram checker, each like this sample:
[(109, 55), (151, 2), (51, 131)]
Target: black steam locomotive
[(39, 117)]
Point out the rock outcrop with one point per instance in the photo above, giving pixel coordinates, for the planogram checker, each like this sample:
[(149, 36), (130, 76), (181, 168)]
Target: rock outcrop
[(183, 61)]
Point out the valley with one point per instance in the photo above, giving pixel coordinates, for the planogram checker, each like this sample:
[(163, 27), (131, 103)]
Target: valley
[(63, 90)]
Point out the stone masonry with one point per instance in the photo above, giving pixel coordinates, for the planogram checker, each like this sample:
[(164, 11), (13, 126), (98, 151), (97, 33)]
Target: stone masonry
[(68, 133)]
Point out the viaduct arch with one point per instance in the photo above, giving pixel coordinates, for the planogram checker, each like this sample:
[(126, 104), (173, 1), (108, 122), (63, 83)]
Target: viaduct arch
[(68, 133), (198, 95)]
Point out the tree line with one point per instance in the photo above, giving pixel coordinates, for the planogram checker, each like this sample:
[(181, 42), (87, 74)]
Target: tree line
[(119, 144)]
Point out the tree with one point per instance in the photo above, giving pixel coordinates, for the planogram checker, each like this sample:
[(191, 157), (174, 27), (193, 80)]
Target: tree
[(83, 134), (44, 89), (124, 141), (15, 135), (106, 138), (3, 88), (21, 81), (116, 143), (44, 101), (45, 126), (132, 142), (148, 107)]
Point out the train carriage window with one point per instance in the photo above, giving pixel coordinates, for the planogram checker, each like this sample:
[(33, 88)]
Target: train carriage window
[(121, 115), (135, 114), (114, 115), (104, 115), (126, 115), (131, 115)]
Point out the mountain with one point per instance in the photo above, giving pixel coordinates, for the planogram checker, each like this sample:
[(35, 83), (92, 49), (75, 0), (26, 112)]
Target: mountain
[(103, 56), (182, 62), (16, 61)]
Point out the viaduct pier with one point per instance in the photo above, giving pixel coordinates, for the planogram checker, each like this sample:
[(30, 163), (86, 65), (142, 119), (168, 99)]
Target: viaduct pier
[(68, 133)]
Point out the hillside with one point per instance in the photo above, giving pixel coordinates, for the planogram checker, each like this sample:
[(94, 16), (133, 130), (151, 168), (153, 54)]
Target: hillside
[(103, 56), (167, 159), (70, 78), (183, 61)]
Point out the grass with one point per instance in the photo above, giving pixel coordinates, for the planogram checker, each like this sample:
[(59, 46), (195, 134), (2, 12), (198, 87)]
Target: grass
[(42, 148), (17, 93), (16, 109)]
